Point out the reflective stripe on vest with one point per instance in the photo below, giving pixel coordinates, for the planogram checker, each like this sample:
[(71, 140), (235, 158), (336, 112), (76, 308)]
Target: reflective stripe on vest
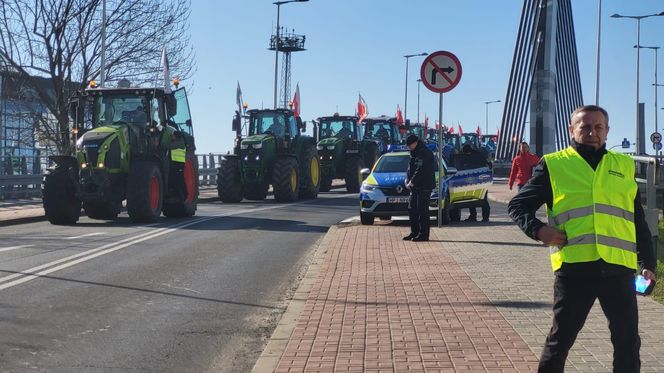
[(178, 155), (595, 208)]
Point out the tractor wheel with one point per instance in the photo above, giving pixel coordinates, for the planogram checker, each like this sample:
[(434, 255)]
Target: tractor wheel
[(366, 218), (61, 205), (102, 210), (325, 183), (309, 172), (285, 180), (371, 155), (229, 186), (354, 166), (255, 192), (187, 207), (145, 192)]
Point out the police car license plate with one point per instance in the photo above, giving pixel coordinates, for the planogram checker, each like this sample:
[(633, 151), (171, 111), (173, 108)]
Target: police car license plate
[(398, 199)]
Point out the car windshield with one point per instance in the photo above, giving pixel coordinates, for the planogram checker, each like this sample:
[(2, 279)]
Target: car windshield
[(336, 128), (268, 122), (129, 108), (397, 163)]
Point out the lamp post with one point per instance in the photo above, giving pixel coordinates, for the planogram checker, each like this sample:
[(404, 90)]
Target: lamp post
[(419, 82), (655, 83), (486, 105), (638, 42), (405, 104), (276, 46)]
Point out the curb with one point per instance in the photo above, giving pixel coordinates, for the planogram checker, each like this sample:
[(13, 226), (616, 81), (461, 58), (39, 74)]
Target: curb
[(269, 359)]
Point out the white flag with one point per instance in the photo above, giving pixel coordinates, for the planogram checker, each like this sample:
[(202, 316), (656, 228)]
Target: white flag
[(167, 77)]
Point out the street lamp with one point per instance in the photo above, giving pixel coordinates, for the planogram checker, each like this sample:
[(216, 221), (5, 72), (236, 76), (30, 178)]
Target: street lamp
[(486, 105), (405, 104), (638, 42), (276, 46)]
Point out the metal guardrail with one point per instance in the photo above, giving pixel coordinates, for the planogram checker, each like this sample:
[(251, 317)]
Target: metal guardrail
[(29, 185)]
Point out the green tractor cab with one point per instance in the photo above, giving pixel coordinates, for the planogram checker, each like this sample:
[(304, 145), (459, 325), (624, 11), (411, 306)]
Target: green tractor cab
[(274, 152), (133, 144), (344, 151)]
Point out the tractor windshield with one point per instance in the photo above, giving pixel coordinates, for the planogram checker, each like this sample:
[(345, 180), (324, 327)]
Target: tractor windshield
[(381, 130), (120, 107), (432, 135), (267, 123), (415, 130), (342, 129)]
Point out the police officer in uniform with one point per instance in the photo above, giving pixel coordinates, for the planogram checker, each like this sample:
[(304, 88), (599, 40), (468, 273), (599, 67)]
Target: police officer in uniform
[(597, 234), (421, 181)]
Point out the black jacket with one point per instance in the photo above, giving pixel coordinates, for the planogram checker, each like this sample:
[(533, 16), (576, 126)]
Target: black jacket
[(537, 191), (421, 168)]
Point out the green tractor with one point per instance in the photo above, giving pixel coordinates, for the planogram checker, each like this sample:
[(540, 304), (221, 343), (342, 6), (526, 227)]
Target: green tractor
[(276, 153), (133, 144), (343, 151)]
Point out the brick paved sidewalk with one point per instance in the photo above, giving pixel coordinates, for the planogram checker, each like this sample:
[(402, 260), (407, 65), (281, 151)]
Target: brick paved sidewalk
[(476, 298)]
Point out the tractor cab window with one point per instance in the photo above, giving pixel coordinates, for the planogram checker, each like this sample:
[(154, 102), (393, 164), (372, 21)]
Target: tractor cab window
[(432, 135), (292, 126), (121, 107), (267, 123), (342, 129), (182, 116), (383, 131)]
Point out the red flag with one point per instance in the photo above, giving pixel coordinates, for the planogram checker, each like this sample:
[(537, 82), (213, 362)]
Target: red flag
[(426, 122), (460, 130), (362, 109), (451, 131), (497, 133), (478, 131), (399, 116), (296, 101)]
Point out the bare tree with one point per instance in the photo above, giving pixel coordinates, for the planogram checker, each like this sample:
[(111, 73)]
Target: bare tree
[(61, 40)]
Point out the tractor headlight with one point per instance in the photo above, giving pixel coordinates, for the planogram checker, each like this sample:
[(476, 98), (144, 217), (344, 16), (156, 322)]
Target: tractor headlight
[(258, 158), (246, 158), (100, 165), (244, 146), (84, 165), (368, 187)]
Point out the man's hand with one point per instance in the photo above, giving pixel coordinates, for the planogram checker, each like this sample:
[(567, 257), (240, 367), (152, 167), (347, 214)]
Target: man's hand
[(648, 274), (551, 236)]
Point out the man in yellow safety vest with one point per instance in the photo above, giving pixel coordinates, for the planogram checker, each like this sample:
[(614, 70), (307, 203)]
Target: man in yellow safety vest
[(597, 234)]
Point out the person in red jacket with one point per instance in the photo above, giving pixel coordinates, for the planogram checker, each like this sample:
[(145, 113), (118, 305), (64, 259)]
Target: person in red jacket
[(522, 166)]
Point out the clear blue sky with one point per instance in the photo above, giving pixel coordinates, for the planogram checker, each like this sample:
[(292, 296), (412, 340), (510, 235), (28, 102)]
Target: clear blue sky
[(358, 46)]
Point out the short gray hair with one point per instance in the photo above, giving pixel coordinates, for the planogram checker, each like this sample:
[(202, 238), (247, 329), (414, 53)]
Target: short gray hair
[(588, 108)]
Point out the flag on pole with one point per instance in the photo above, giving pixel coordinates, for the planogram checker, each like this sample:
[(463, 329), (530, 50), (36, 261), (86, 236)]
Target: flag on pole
[(399, 116), (296, 101), (460, 129), (362, 109), (451, 130), (497, 133), (167, 74), (426, 122), (238, 98), (478, 131)]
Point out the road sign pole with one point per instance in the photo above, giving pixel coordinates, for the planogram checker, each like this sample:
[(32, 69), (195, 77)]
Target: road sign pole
[(440, 161)]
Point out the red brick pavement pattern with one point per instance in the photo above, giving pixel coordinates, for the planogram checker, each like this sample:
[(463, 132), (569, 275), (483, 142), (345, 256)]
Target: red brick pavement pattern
[(383, 304)]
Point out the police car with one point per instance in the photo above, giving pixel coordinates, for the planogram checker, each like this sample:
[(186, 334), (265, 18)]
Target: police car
[(384, 194)]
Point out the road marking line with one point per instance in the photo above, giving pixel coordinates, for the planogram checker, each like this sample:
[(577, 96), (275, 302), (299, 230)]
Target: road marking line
[(69, 261), (14, 247), (84, 235)]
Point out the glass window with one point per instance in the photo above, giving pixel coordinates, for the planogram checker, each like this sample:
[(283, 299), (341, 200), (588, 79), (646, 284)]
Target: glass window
[(182, 117), (393, 164), (292, 123)]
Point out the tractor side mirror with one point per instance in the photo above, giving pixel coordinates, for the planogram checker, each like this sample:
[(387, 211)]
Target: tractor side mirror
[(301, 125), (236, 123)]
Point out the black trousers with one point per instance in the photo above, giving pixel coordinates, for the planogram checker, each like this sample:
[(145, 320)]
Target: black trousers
[(418, 212), (176, 179), (486, 211), (573, 298)]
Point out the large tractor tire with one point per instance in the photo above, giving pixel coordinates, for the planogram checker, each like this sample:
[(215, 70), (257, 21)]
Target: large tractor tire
[(255, 191), (145, 192), (325, 183), (371, 155), (309, 172), (229, 186), (354, 166), (61, 205), (285, 180), (185, 207), (102, 210)]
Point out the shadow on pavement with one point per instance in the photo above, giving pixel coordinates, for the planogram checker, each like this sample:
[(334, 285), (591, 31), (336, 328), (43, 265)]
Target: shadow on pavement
[(225, 223), (507, 304)]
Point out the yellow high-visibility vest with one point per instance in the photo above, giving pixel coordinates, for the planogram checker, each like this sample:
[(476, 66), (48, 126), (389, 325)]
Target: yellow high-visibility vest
[(178, 155), (595, 208)]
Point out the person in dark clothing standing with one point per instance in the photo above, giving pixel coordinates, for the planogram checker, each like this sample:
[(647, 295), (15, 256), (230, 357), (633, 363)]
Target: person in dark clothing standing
[(421, 181), (598, 238)]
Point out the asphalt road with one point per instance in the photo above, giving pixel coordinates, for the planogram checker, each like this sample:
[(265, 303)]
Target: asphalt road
[(181, 295)]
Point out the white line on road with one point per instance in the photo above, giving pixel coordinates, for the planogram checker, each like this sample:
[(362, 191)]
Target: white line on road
[(14, 247), (84, 235), (69, 261)]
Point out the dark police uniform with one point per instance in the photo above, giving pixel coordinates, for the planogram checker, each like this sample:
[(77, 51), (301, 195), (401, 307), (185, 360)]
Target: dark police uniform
[(580, 280), (421, 176)]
